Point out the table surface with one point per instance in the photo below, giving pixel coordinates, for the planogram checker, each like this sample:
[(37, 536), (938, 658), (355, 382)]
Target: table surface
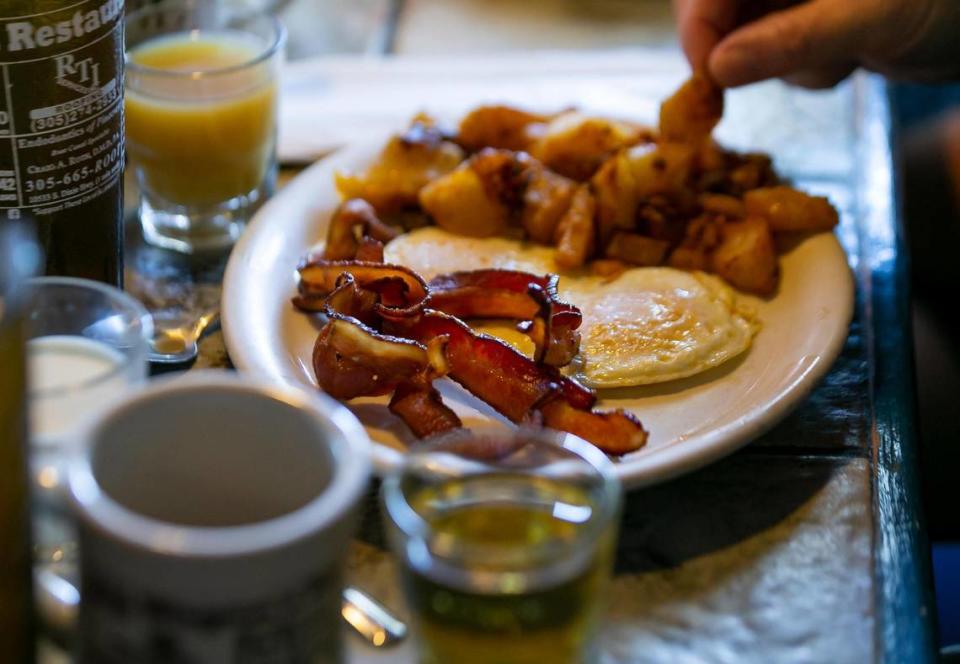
[(807, 545)]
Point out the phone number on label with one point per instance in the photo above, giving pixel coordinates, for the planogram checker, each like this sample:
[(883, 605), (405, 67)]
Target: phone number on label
[(75, 115), (76, 177)]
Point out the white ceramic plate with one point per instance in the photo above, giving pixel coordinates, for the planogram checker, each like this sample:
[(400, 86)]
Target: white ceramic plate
[(692, 421)]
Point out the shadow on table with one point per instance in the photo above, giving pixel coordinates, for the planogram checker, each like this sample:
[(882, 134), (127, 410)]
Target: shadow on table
[(715, 508), (164, 278)]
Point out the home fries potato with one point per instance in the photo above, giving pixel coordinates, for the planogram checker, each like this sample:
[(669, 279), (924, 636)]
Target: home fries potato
[(608, 194)]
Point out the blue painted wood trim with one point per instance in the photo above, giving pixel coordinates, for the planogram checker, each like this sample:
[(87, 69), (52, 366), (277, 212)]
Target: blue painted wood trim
[(906, 615)]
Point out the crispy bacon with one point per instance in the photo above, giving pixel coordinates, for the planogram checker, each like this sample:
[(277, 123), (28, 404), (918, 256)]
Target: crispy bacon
[(370, 250), (493, 371), (347, 299), (398, 287), (354, 356), (615, 432), (485, 294), (422, 409), (519, 388), (554, 328), (516, 295), (353, 227), (351, 359)]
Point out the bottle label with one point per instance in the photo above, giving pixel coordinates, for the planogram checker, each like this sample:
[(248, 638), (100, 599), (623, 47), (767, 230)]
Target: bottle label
[(61, 106)]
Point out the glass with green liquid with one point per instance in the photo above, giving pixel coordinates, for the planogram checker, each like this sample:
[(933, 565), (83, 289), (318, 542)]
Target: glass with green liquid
[(506, 540)]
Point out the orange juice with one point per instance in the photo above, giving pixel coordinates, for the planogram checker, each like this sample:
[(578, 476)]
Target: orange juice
[(200, 116)]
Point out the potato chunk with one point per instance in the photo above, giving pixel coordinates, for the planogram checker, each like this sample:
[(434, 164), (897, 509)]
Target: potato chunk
[(663, 170), (575, 145), (701, 236), (615, 189), (787, 209), (637, 249), (691, 113), (460, 203), (746, 256), (689, 258), (504, 173), (500, 127), (727, 206), (575, 234), (545, 200), (407, 163), (637, 174)]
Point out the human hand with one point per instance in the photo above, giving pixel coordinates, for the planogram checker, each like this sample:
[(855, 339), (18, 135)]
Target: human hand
[(817, 43)]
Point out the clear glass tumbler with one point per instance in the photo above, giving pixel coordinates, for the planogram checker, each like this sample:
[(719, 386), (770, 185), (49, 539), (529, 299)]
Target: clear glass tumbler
[(87, 345), (201, 119), (506, 541)]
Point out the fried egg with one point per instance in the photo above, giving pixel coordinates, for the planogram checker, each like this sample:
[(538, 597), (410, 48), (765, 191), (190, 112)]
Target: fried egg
[(647, 325)]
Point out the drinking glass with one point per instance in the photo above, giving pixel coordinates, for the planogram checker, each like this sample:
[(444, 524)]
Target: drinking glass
[(201, 119), (87, 345), (506, 541), (18, 259)]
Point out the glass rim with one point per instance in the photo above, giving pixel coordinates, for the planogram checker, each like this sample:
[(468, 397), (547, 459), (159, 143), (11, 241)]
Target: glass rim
[(347, 443), (114, 294), (270, 50), (408, 521)]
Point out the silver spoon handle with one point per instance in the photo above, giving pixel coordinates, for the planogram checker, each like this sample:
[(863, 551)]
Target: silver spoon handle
[(371, 619), (205, 321)]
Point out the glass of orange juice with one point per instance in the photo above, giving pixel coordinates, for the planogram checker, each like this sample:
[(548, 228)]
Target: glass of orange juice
[(201, 119)]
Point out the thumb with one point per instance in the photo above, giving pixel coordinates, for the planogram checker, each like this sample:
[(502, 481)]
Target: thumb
[(810, 36)]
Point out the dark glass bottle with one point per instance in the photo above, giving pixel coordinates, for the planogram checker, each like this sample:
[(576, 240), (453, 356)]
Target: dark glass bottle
[(16, 611), (61, 130)]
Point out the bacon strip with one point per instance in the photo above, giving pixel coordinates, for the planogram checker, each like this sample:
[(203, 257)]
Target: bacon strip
[(347, 299), (554, 328), (518, 388), (515, 295), (320, 276), (352, 360), (401, 292), (353, 229), (615, 432), (482, 294), (370, 251), (493, 371), (422, 409)]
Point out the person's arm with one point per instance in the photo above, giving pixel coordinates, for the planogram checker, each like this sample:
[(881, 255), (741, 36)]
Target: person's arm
[(817, 43)]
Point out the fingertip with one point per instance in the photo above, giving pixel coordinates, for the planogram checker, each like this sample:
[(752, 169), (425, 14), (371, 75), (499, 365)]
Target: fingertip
[(697, 41), (731, 66)]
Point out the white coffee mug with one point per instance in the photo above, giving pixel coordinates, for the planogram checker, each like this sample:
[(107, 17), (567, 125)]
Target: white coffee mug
[(214, 516)]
